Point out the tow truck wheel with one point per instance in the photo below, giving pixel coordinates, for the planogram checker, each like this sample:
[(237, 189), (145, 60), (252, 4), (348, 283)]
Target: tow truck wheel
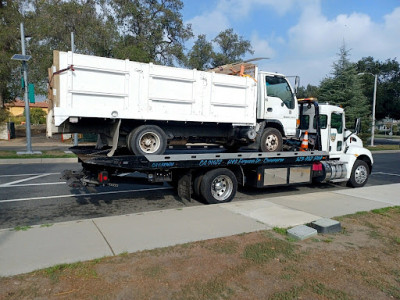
[(271, 140), (196, 185), (359, 174), (218, 186), (147, 139)]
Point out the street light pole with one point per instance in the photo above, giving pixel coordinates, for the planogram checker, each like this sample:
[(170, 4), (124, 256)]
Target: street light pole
[(373, 107), (27, 112), (373, 111)]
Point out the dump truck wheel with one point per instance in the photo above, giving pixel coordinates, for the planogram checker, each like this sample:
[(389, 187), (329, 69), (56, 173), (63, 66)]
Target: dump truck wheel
[(218, 186), (359, 174), (147, 139), (271, 140)]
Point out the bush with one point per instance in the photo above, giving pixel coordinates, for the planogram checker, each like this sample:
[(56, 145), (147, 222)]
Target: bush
[(4, 115), (38, 116)]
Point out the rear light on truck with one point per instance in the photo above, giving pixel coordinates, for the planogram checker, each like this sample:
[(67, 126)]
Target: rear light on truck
[(317, 167), (103, 177)]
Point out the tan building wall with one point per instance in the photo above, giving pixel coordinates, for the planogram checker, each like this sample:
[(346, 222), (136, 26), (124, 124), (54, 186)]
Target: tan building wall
[(17, 108)]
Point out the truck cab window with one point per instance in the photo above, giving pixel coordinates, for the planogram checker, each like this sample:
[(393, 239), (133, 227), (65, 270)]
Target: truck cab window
[(304, 122), (279, 87), (337, 122), (323, 120)]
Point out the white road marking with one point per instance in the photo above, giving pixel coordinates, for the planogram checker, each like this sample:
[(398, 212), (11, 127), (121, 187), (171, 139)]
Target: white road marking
[(31, 184), (23, 180), (383, 173), (20, 175), (83, 195)]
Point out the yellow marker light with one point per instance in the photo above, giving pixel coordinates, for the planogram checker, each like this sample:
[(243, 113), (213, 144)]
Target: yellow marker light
[(259, 177)]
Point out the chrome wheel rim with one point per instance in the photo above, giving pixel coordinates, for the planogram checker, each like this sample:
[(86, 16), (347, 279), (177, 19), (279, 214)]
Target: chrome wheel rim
[(361, 174), (221, 187), (149, 142), (271, 142)]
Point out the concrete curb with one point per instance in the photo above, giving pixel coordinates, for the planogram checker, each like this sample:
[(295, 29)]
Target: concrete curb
[(17, 161)]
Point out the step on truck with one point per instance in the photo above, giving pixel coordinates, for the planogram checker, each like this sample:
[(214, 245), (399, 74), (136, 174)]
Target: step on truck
[(145, 107), (332, 154)]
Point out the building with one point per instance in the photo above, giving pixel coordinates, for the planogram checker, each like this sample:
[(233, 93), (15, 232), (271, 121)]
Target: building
[(17, 107)]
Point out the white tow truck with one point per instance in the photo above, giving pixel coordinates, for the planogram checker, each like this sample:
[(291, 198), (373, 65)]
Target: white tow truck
[(333, 154), (146, 107)]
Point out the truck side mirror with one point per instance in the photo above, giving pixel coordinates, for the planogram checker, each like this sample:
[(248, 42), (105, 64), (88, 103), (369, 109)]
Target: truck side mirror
[(296, 83), (357, 126)]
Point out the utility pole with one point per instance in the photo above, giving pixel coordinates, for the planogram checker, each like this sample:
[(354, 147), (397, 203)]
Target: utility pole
[(27, 110), (73, 50), (24, 58)]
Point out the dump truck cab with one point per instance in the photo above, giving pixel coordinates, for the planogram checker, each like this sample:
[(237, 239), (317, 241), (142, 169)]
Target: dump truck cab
[(277, 103)]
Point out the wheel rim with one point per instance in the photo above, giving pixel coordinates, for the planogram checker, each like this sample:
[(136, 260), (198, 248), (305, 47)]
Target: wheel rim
[(221, 187), (361, 174), (271, 142), (149, 142)]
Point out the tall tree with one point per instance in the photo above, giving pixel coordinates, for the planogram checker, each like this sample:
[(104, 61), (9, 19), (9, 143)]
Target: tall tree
[(388, 87), (50, 23), (344, 88), (232, 48), (307, 92), (10, 19), (151, 30), (200, 57)]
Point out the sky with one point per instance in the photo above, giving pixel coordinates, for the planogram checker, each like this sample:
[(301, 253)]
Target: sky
[(303, 37)]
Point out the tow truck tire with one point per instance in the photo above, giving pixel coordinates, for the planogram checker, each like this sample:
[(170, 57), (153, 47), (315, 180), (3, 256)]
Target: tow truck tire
[(218, 186), (196, 185), (359, 174), (271, 140), (147, 139)]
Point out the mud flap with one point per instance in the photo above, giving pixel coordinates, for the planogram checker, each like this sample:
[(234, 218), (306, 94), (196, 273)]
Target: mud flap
[(185, 187), (115, 135)]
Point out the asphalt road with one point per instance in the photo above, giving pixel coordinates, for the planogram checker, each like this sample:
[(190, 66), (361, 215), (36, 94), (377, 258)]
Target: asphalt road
[(385, 141), (34, 194)]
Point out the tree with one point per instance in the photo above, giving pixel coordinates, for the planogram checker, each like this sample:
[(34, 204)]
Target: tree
[(344, 88), (10, 19), (38, 116), (388, 87), (50, 23), (151, 30), (232, 46), (232, 49), (200, 57), (307, 92)]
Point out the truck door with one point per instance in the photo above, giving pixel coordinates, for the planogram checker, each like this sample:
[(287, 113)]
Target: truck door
[(280, 103), (336, 134)]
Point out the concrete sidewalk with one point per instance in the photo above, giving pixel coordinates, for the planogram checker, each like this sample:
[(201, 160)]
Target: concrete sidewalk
[(41, 247)]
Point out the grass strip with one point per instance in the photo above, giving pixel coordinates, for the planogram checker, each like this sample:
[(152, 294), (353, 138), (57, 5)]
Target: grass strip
[(8, 154)]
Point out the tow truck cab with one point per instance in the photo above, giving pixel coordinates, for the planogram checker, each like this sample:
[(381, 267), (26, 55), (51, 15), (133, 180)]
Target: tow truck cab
[(342, 144)]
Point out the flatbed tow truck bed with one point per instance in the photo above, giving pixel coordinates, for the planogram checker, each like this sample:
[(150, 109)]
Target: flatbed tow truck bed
[(211, 176)]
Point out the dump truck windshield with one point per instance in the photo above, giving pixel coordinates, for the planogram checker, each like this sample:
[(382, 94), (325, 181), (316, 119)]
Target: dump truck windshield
[(279, 87)]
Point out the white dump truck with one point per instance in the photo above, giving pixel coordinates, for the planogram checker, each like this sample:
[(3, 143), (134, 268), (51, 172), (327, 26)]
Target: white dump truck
[(332, 154), (146, 107)]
